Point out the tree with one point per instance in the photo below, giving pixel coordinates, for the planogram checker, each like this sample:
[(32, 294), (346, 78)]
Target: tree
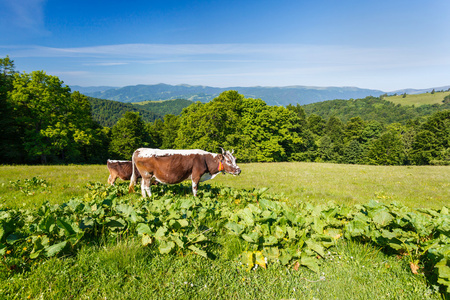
[(316, 124), (354, 128), (269, 132), (156, 132), (386, 150), (127, 135), (171, 125), (433, 140), (373, 129), (335, 129), (353, 153), (423, 149), (52, 120), (208, 126), (446, 99), (10, 143), (300, 112)]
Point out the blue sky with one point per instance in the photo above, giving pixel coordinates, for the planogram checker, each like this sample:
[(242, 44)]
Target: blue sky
[(386, 45)]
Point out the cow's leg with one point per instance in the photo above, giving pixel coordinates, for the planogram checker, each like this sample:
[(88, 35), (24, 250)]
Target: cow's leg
[(145, 187), (112, 177), (195, 182), (110, 180)]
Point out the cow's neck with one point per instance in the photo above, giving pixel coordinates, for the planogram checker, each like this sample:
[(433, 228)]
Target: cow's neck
[(215, 166)]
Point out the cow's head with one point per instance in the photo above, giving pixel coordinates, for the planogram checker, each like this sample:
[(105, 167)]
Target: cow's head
[(229, 162)]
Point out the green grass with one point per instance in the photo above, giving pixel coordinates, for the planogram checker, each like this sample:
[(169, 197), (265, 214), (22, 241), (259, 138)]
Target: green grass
[(125, 270), (413, 186), (122, 269), (64, 182), (418, 99)]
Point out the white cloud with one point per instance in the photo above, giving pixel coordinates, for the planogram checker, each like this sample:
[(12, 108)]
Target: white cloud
[(304, 55), (241, 64), (26, 15)]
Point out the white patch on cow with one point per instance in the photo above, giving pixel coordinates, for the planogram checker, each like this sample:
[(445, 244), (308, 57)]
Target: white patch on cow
[(232, 159), (117, 161), (149, 191), (208, 176), (159, 180), (194, 189), (148, 152)]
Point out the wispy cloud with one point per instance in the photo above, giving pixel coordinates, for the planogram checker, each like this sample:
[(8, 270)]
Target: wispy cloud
[(27, 15), (105, 64), (307, 56), (236, 64)]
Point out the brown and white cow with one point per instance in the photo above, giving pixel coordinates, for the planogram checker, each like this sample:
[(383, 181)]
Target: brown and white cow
[(120, 168), (175, 166)]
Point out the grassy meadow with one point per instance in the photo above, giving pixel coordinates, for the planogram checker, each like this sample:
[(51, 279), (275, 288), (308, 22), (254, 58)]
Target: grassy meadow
[(122, 269), (418, 99), (413, 186)]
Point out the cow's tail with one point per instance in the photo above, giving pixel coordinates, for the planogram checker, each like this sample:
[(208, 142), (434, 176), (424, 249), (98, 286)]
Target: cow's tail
[(133, 176)]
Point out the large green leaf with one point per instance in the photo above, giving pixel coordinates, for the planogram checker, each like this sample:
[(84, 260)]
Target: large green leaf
[(355, 228), (252, 237), (146, 239), (186, 203), (310, 263), (165, 246), (279, 232), (13, 238), (272, 253), (177, 224), (270, 240), (285, 256), (382, 218), (161, 232), (318, 248), (55, 249), (443, 267), (198, 251), (235, 227), (66, 226), (143, 228), (115, 223), (247, 216)]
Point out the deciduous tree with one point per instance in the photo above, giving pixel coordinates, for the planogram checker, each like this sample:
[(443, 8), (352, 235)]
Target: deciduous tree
[(127, 135)]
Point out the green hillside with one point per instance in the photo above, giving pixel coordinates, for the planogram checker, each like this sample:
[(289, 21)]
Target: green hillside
[(418, 99), (162, 108), (108, 112), (373, 108)]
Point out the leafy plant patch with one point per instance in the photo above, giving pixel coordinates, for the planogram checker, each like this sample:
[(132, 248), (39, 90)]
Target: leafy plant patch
[(30, 186), (268, 229)]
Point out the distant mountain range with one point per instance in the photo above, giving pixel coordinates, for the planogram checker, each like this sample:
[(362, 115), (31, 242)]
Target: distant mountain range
[(271, 95)]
